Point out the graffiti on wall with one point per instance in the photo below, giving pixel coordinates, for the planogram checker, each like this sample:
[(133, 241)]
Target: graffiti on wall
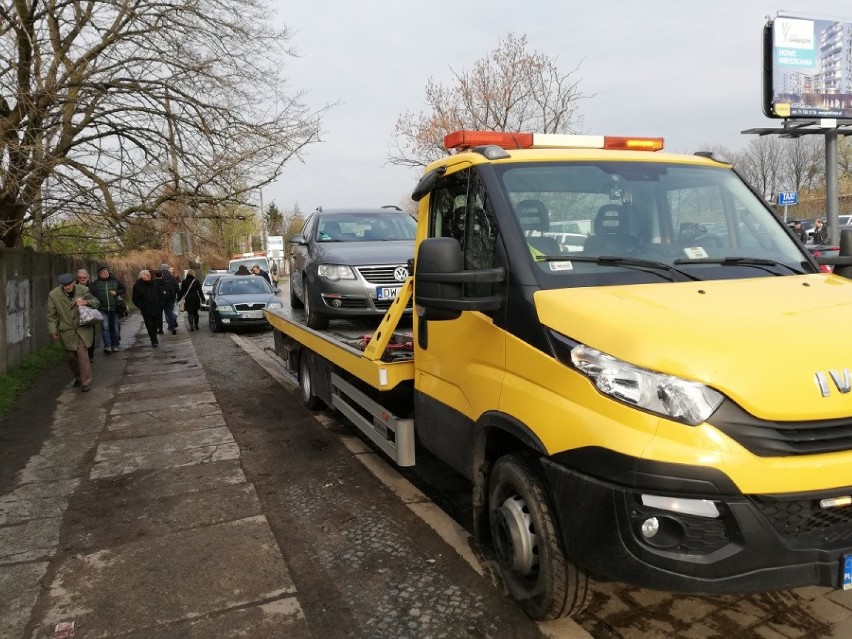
[(17, 311)]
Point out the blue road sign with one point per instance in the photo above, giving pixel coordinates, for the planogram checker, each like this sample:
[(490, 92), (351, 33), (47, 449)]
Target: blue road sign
[(786, 198)]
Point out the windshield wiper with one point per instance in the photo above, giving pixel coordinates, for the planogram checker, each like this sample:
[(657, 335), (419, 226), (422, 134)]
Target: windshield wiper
[(757, 262), (648, 266)]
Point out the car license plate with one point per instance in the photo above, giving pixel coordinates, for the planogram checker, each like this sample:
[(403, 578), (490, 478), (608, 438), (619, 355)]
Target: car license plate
[(252, 314), (387, 292), (846, 572)]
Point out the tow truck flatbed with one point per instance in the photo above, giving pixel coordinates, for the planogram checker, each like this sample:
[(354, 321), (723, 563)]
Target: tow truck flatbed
[(382, 360), (341, 346)]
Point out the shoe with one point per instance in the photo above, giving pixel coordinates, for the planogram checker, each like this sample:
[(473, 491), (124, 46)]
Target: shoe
[(107, 351), (115, 349), (191, 329), (174, 331), (155, 344), (159, 331), (86, 388), (76, 383)]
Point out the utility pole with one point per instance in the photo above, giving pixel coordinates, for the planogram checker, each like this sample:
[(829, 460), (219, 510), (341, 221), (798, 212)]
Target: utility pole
[(262, 221)]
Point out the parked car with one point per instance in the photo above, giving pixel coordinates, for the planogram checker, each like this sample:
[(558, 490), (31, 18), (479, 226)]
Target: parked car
[(568, 242), (824, 250), (239, 300), (350, 262), (207, 285)]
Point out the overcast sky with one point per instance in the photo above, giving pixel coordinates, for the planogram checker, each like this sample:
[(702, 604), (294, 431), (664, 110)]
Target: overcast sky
[(686, 70)]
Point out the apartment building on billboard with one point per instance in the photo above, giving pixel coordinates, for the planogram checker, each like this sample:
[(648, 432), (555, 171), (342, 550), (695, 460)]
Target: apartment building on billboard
[(835, 59)]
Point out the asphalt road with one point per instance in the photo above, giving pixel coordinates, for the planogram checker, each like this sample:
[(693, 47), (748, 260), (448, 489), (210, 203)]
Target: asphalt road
[(191, 494)]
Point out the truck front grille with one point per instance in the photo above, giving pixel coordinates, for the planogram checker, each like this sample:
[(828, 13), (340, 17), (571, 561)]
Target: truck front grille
[(804, 520), (767, 438)]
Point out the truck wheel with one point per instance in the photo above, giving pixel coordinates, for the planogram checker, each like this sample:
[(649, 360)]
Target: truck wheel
[(295, 302), (526, 540), (313, 319), (306, 384)]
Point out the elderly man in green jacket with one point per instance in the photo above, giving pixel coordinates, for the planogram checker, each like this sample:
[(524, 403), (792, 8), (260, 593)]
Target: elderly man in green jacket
[(63, 323)]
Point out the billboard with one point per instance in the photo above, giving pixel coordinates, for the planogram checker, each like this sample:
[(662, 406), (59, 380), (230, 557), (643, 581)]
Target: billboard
[(806, 68)]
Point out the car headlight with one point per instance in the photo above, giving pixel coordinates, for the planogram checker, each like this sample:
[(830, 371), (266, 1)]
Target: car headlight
[(274, 305), (335, 272), (224, 308), (666, 395)]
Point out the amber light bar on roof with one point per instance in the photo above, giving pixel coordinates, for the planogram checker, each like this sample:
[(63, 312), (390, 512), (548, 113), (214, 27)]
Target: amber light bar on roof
[(461, 140)]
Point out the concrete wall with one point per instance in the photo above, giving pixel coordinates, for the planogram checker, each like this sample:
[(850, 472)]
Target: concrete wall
[(26, 278)]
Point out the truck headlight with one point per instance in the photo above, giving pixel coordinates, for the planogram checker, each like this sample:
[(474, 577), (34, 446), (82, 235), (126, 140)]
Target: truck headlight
[(335, 272), (678, 399), (273, 305)]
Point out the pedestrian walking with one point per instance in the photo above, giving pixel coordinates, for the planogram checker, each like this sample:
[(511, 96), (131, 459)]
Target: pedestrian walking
[(63, 324), (172, 290), (83, 280), (821, 232), (191, 297), (108, 290), (799, 232), (176, 275), (148, 297)]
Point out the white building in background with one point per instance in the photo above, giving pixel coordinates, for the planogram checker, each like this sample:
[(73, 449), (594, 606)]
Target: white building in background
[(835, 59)]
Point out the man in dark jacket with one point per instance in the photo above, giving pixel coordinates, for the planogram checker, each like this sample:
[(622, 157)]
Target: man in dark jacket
[(148, 298), (107, 289), (256, 270), (172, 290)]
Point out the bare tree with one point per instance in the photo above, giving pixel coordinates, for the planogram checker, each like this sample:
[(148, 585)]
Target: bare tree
[(511, 89), (803, 162), (118, 106), (760, 164)]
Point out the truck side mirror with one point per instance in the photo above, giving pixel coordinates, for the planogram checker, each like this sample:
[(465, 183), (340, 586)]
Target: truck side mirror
[(297, 239), (439, 280), (435, 257)]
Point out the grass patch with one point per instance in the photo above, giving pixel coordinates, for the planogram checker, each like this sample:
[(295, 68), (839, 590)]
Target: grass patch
[(19, 379)]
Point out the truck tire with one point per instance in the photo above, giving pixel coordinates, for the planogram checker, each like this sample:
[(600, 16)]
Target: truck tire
[(306, 383), (295, 302), (312, 318), (526, 540)]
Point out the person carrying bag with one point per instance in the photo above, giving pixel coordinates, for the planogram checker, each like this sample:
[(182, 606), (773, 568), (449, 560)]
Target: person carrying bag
[(191, 296)]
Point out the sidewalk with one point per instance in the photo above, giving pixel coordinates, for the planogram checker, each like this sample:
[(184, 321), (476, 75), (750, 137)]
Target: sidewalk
[(136, 519)]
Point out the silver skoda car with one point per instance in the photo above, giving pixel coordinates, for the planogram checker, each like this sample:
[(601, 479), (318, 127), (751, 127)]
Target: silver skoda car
[(350, 262)]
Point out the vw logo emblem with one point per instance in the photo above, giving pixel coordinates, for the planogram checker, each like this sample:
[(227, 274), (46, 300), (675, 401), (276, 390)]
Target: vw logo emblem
[(400, 273)]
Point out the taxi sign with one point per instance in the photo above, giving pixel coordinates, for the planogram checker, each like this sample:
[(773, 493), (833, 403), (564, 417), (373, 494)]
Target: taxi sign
[(786, 198)]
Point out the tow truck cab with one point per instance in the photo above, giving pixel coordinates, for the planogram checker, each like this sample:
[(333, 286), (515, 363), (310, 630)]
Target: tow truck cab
[(635, 409)]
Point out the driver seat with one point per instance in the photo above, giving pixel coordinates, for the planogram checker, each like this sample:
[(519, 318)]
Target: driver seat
[(611, 232), (534, 218)]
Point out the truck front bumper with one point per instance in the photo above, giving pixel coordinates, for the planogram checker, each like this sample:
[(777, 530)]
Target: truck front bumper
[(755, 543)]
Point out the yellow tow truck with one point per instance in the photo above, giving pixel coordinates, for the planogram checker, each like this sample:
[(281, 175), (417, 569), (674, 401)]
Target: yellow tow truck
[(664, 406)]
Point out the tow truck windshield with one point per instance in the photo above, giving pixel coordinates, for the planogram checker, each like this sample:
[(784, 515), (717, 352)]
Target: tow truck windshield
[(685, 221)]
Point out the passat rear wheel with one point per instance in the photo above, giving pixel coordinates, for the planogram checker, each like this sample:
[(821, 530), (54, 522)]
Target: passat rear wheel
[(306, 383)]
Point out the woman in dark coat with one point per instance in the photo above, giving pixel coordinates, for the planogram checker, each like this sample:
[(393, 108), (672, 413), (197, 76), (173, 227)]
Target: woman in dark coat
[(148, 297), (192, 296)]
